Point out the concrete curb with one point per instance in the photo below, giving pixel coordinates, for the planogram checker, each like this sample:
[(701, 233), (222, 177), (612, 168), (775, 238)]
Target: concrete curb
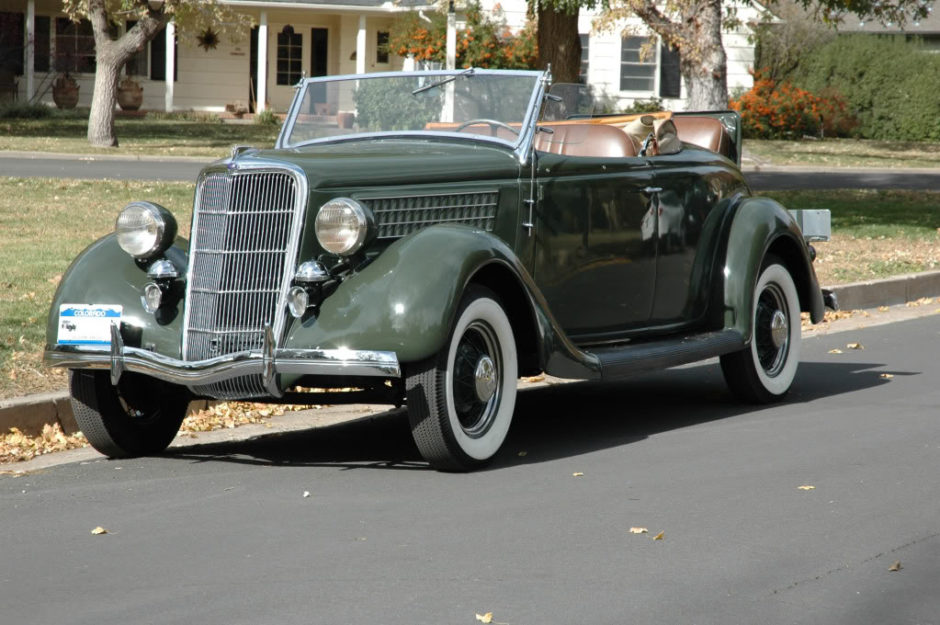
[(30, 414)]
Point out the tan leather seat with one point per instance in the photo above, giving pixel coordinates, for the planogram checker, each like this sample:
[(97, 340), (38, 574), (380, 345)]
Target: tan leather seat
[(585, 140), (705, 132)]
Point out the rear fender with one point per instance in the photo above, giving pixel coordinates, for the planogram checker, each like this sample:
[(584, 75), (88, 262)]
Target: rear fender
[(762, 226)]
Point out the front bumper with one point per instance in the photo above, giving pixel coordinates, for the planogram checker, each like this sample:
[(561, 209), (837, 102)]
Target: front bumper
[(268, 363)]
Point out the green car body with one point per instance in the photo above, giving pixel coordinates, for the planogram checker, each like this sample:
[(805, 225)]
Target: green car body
[(603, 265)]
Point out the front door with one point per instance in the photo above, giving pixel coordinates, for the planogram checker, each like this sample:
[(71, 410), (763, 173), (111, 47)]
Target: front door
[(319, 45), (253, 63)]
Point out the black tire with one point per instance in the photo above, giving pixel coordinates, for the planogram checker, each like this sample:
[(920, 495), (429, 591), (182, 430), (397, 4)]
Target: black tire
[(138, 418), (764, 371), (461, 400)]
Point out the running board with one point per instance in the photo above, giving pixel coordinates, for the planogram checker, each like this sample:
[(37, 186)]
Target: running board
[(635, 358)]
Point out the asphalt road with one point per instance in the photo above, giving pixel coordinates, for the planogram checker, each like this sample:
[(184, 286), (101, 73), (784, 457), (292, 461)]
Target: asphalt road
[(186, 170), (90, 167), (223, 533)]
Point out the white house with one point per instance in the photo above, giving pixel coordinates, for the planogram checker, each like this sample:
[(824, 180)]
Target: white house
[(313, 38), (297, 37), (612, 64)]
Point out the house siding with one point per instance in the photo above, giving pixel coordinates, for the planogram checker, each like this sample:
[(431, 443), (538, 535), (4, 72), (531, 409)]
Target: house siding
[(209, 80)]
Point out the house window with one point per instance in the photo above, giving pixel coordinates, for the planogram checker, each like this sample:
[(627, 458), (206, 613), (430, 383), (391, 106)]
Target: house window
[(12, 27), (289, 56), (74, 46), (158, 58), (583, 72), (137, 65), (670, 78), (42, 43), (636, 74), (381, 47)]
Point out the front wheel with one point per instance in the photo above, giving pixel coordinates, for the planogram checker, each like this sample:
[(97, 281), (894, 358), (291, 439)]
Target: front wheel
[(461, 400), (764, 371), (139, 417)]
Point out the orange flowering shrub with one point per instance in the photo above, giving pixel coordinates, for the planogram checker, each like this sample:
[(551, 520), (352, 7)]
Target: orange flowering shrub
[(483, 42), (779, 110)]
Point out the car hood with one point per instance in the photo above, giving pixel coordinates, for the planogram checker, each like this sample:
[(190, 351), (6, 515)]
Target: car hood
[(389, 162)]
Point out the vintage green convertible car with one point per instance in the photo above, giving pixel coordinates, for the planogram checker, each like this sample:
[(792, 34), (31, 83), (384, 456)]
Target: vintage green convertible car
[(444, 234)]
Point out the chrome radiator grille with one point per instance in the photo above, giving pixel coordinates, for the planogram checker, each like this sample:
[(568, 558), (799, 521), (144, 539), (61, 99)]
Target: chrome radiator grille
[(400, 216), (243, 232)]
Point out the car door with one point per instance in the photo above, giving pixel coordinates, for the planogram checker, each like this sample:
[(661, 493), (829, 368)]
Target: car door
[(691, 183), (595, 256)]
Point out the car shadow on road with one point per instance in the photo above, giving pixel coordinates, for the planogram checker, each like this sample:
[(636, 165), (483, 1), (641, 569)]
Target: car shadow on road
[(551, 422)]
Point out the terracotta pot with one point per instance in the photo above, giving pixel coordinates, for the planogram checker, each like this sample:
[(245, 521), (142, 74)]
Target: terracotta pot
[(345, 119), (130, 95), (65, 92)]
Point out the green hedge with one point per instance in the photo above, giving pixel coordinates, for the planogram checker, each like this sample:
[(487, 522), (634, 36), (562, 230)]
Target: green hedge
[(892, 84)]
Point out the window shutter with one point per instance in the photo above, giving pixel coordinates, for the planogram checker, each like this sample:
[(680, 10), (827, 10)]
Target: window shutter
[(670, 78)]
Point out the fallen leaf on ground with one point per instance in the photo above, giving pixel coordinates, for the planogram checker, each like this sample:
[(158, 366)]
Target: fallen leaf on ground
[(887, 376), (806, 487), (883, 309), (523, 454), (855, 346), (659, 536), (98, 531), (835, 351), (896, 566), (638, 530), (578, 474), (485, 618)]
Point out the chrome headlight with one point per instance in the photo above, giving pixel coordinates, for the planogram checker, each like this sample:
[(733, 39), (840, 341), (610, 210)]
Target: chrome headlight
[(343, 226), (145, 229)]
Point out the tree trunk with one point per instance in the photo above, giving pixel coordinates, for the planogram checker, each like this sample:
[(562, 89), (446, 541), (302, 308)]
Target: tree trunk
[(101, 119), (704, 64), (559, 43), (110, 57)]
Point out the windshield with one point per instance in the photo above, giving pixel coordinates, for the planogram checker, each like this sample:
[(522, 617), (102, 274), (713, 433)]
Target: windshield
[(491, 105)]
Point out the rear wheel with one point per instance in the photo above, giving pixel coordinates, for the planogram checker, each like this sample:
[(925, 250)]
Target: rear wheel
[(461, 400), (139, 417), (764, 371)]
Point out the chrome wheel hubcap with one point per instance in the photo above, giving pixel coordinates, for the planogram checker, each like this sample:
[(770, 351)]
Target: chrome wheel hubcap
[(779, 329), (485, 378)]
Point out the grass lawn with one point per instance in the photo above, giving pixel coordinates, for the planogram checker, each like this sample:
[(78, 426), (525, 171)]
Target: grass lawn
[(845, 153), (45, 224), (200, 136), (876, 234)]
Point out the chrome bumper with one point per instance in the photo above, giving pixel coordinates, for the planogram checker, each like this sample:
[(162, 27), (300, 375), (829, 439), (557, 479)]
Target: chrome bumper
[(267, 363)]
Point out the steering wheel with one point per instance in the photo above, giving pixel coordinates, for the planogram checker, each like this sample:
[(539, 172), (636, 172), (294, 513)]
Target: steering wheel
[(492, 123)]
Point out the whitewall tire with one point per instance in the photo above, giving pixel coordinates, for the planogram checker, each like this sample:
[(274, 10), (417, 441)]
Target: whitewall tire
[(461, 401), (764, 371)]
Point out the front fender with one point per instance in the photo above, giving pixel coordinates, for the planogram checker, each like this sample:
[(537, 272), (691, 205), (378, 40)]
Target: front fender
[(761, 226), (104, 274), (405, 301)]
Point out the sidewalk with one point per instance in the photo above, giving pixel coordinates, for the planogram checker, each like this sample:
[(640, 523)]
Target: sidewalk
[(29, 414)]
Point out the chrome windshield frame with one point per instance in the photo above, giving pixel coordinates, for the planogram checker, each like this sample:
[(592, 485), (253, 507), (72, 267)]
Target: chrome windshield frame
[(521, 147)]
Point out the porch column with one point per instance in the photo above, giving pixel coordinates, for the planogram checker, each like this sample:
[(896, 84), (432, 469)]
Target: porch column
[(170, 65), (361, 46), (262, 70), (30, 49)]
